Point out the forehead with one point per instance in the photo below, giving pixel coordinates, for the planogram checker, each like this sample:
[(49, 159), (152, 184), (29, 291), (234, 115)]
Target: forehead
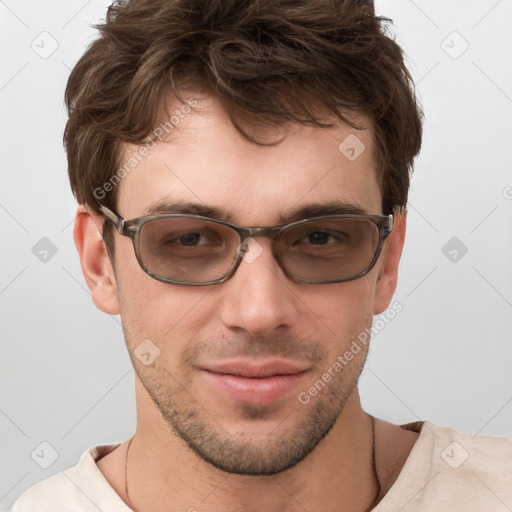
[(205, 160)]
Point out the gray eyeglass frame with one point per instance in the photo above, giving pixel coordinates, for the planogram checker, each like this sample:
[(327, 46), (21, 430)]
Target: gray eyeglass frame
[(132, 228)]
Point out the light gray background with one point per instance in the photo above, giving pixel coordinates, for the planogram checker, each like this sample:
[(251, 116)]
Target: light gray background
[(65, 376)]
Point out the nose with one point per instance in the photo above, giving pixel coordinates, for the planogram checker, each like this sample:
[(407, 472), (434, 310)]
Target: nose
[(259, 297)]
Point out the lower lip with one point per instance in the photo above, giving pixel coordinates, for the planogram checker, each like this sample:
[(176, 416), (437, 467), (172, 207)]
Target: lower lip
[(257, 391)]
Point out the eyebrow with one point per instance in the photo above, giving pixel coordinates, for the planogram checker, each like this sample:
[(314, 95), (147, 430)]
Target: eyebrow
[(188, 208), (290, 215), (321, 209)]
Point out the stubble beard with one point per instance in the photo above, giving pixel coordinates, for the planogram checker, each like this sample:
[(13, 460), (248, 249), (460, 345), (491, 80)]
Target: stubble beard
[(267, 455)]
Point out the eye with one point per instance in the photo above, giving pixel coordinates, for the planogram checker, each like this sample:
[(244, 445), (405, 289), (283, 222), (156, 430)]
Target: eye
[(191, 240), (319, 238), (323, 238)]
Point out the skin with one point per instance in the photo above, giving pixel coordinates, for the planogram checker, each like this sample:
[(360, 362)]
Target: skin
[(308, 457)]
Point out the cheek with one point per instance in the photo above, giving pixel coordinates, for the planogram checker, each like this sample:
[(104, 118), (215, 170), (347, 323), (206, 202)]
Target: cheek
[(343, 310), (160, 309), (167, 315)]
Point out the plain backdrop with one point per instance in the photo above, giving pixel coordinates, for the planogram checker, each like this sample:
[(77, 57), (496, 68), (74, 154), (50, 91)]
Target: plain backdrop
[(66, 379)]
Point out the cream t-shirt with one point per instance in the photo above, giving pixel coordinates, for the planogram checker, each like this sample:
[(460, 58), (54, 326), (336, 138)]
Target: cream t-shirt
[(446, 471)]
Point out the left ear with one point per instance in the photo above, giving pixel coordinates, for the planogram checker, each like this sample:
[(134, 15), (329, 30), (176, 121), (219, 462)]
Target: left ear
[(388, 275)]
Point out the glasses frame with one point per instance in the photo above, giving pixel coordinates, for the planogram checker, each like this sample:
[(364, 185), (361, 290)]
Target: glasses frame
[(132, 228)]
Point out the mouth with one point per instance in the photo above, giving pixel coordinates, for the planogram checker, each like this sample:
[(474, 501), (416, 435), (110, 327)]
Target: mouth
[(251, 383)]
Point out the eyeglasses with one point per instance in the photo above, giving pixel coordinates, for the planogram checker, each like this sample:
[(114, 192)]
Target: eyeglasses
[(194, 250)]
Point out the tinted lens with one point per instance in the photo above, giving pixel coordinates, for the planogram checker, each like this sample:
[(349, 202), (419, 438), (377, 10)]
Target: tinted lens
[(188, 249), (329, 249)]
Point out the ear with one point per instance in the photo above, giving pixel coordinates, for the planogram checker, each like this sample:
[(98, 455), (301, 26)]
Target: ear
[(388, 276), (96, 266)]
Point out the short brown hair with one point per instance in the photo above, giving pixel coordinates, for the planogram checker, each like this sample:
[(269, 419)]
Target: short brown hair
[(263, 59)]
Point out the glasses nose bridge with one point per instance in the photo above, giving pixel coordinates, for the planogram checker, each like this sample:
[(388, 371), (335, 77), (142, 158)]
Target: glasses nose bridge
[(253, 232)]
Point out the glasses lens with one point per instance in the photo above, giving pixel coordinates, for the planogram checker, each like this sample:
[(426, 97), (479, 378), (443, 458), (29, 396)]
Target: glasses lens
[(329, 249), (187, 249)]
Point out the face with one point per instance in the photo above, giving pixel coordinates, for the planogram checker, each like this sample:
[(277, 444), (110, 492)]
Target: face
[(235, 357)]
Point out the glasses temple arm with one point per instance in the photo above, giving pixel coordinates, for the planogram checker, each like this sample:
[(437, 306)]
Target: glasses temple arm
[(114, 218)]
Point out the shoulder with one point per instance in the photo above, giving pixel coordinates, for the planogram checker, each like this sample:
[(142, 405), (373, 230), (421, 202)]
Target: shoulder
[(452, 470), (52, 493), (81, 488), (462, 450)]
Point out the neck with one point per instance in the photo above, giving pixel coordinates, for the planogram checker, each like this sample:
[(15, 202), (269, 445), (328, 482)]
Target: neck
[(337, 475)]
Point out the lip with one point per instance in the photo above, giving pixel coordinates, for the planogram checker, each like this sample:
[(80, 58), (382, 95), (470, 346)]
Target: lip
[(258, 384)]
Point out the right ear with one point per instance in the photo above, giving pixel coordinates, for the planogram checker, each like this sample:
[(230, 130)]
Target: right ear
[(96, 266)]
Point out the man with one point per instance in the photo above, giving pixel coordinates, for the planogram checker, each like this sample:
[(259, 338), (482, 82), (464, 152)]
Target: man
[(242, 170)]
